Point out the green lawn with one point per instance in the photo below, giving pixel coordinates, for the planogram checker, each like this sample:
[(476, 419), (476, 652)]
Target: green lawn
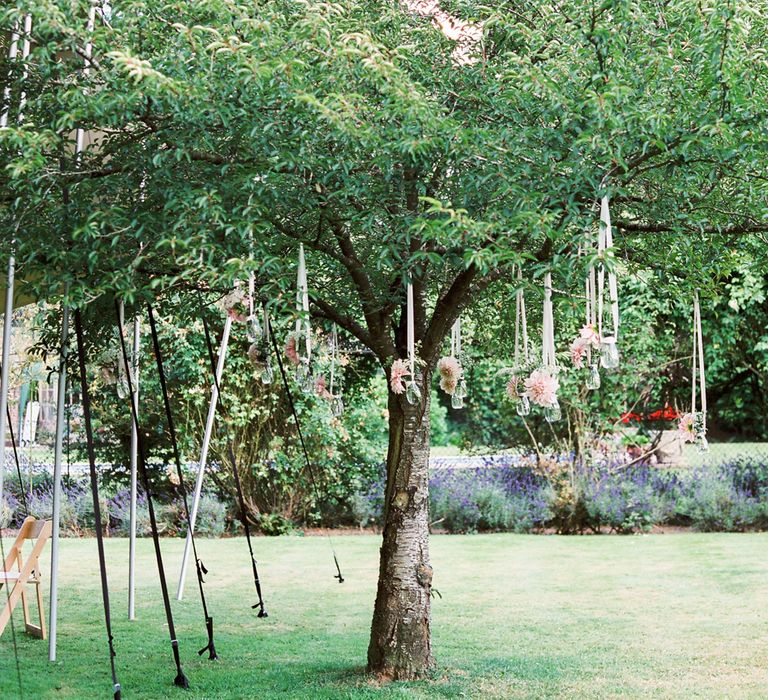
[(666, 616)]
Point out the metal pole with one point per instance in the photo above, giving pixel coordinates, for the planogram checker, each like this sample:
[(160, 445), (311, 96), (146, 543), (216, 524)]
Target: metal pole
[(61, 421), (134, 369), (7, 318), (4, 374), (204, 455)]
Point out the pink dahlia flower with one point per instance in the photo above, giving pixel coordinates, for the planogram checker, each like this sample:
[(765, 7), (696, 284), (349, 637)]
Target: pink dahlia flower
[(397, 374), (321, 388), (291, 351), (449, 367), (541, 387), (686, 427), (590, 335), (511, 388), (578, 351), (448, 384)]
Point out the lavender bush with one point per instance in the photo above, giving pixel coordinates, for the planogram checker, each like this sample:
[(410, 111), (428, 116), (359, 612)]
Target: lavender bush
[(627, 500), (497, 496), (732, 497), (501, 498)]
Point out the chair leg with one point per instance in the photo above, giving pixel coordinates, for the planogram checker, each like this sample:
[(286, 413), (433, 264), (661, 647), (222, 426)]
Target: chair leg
[(40, 612), (5, 614), (25, 605), (35, 630)]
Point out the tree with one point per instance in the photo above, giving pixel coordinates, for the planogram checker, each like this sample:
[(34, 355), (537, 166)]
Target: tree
[(227, 134)]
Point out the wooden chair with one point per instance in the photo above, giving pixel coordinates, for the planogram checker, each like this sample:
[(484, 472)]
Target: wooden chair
[(28, 573)]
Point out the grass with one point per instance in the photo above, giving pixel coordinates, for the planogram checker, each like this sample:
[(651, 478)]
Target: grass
[(665, 616)]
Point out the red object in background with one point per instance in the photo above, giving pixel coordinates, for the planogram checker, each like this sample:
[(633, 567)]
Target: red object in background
[(627, 417), (666, 413)]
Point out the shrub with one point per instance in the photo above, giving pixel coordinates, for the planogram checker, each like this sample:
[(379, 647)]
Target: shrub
[(488, 499), (730, 497), (274, 524), (120, 512), (627, 500)]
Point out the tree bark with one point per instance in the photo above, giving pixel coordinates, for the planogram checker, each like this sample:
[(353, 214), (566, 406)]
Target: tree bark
[(400, 646)]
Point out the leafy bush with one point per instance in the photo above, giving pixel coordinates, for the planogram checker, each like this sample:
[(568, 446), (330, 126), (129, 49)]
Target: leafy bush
[(274, 524), (212, 517)]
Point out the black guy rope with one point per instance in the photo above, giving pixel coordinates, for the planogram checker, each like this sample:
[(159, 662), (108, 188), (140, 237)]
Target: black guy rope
[(180, 680), (199, 567), (95, 494), (236, 474), (18, 464), (307, 460)]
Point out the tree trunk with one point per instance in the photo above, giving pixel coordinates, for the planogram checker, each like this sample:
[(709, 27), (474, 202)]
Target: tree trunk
[(400, 647)]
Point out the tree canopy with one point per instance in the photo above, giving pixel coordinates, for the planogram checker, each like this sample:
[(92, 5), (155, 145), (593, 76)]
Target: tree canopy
[(224, 133)]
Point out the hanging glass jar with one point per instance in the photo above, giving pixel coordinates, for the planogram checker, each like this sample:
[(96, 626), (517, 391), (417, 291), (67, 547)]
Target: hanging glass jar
[(459, 394), (593, 378), (337, 406), (609, 353), (552, 413), (302, 370), (123, 389), (267, 375), (122, 386), (523, 406), (253, 329), (308, 382), (413, 393)]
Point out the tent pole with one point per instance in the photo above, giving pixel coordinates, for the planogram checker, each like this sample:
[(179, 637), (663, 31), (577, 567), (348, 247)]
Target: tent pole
[(61, 420), (8, 317), (204, 454), (134, 369), (4, 374)]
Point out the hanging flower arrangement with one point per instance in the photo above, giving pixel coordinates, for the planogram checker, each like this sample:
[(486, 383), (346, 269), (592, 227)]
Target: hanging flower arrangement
[(693, 425), (450, 374), (588, 339), (522, 363), (450, 369), (235, 305), (397, 375), (321, 388)]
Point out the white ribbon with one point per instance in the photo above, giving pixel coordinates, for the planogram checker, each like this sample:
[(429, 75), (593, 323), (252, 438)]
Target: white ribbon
[(265, 325), (80, 134), (521, 322), (548, 327), (456, 338), (303, 325), (334, 355), (12, 53), (698, 363), (410, 330), (605, 248)]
